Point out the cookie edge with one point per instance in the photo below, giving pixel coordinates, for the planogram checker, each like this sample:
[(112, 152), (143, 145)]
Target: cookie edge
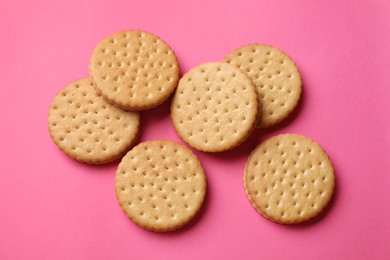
[(91, 162), (136, 107)]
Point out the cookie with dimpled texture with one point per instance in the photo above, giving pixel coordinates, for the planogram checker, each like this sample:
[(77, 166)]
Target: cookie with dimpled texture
[(289, 179), (88, 128), (160, 185), (215, 107), (133, 69), (276, 77)]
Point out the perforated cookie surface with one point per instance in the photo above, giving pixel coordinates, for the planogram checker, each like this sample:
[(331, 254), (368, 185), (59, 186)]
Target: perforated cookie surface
[(215, 107), (160, 185), (88, 128), (275, 76), (289, 178), (134, 69)]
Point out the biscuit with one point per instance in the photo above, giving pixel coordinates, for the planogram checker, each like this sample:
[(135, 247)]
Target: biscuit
[(160, 185), (275, 76), (89, 129), (134, 70), (215, 107), (289, 179)]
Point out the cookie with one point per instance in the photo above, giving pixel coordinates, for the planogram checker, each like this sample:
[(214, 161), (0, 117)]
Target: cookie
[(160, 185), (275, 76), (215, 107), (134, 70), (89, 129), (289, 178)]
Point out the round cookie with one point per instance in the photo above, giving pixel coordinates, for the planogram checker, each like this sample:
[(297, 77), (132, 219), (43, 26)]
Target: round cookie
[(215, 107), (160, 185), (89, 129), (289, 179), (275, 76), (134, 70)]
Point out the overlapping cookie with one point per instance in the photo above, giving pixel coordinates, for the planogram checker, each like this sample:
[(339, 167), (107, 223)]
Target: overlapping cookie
[(134, 69), (276, 77), (88, 128), (215, 107)]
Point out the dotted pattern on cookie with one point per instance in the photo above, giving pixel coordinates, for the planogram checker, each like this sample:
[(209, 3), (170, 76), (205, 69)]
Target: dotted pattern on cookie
[(134, 69), (160, 185), (86, 127), (289, 178), (215, 107), (275, 76)]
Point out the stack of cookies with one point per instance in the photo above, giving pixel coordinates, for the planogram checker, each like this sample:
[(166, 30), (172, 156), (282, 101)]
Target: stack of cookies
[(160, 184)]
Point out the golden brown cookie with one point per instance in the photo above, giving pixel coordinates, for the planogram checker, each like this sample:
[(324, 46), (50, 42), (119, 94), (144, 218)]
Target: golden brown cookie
[(289, 178), (88, 128), (160, 185), (134, 69), (215, 107), (275, 76)]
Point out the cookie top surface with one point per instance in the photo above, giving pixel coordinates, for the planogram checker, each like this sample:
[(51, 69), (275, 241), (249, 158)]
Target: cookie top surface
[(160, 185), (134, 69), (289, 178), (215, 107), (275, 76), (86, 127)]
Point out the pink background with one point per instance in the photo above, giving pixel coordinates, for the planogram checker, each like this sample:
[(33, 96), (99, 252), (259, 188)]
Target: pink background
[(52, 207)]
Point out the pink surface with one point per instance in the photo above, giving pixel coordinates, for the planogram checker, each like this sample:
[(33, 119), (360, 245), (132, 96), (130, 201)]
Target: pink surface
[(52, 207)]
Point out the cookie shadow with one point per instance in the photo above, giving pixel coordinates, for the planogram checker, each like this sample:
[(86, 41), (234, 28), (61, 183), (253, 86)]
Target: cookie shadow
[(154, 117), (241, 151), (93, 168)]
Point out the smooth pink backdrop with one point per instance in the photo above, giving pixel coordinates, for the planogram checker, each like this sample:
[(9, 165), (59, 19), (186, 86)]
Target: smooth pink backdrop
[(52, 207)]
